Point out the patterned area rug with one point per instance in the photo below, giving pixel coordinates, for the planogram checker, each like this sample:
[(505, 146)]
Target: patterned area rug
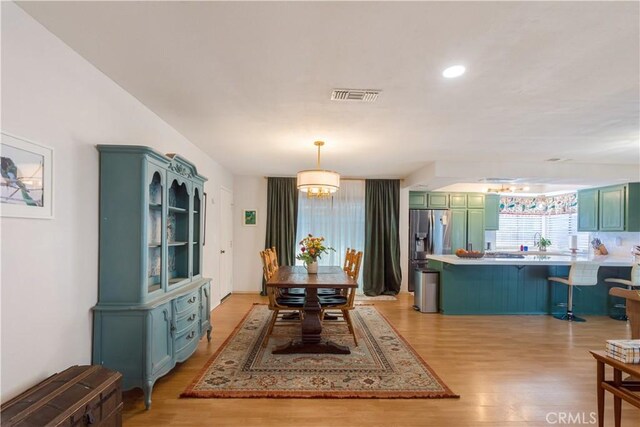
[(382, 366)]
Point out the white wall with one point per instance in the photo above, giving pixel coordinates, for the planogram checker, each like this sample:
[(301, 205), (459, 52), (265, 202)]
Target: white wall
[(249, 192), (49, 267)]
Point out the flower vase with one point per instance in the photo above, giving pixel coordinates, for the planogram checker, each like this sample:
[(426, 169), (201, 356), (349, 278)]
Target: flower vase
[(312, 267)]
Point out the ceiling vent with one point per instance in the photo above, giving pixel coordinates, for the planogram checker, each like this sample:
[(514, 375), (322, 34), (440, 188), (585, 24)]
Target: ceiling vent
[(360, 95)]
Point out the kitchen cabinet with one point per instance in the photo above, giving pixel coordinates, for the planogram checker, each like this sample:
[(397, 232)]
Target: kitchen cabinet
[(475, 229), (417, 200), (467, 227), (588, 209), (458, 224), (491, 212), (437, 200), (457, 200), (613, 208), (475, 201)]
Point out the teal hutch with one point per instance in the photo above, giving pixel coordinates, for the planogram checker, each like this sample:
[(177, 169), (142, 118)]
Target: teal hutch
[(153, 302)]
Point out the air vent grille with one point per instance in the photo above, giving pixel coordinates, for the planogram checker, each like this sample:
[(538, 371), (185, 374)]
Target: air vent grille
[(360, 95)]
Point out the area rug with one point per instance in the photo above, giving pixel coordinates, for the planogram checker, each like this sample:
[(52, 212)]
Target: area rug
[(383, 365)]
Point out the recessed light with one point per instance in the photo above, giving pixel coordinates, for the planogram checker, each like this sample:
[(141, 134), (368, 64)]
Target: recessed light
[(454, 71)]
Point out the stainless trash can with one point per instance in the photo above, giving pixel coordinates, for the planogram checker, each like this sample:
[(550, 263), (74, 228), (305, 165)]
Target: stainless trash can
[(426, 291)]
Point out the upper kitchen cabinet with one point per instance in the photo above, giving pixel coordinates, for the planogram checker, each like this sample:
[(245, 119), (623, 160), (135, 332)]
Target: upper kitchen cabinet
[(588, 209), (614, 208), (458, 200), (437, 200), (424, 200), (417, 200), (491, 212), (475, 201)]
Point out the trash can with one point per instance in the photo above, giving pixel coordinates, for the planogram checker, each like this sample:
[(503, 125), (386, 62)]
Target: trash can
[(427, 283)]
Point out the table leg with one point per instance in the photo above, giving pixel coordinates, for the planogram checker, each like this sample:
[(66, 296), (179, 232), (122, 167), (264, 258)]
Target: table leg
[(600, 392), (617, 401), (312, 331)]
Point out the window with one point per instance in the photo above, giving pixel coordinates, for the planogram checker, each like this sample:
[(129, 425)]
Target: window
[(339, 220), (555, 218)]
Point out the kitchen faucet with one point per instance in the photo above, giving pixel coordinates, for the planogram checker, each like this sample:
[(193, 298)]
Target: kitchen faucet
[(536, 243)]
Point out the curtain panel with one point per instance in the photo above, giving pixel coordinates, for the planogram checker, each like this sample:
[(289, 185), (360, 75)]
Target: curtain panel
[(381, 266), (282, 217)]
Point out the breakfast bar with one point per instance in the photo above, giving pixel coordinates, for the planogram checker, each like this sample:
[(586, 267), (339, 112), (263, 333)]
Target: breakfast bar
[(519, 285)]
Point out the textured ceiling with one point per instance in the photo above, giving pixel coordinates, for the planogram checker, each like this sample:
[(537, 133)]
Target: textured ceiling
[(250, 82)]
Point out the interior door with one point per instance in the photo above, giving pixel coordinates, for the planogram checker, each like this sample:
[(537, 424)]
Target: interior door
[(226, 242)]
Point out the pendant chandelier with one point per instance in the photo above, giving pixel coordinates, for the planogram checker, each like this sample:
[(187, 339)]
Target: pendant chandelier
[(318, 182)]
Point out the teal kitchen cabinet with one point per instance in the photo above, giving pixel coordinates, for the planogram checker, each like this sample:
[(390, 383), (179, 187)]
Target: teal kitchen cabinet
[(475, 201), (458, 226), (424, 200), (458, 200), (417, 200), (613, 208), (588, 209), (475, 229), (492, 212), (153, 303), (438, 200)]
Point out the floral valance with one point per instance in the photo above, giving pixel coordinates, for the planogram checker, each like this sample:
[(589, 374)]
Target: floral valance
[(540, 205)]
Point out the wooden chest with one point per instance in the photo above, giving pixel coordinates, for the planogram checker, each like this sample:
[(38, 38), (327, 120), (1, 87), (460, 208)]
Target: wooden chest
[(79, 396)]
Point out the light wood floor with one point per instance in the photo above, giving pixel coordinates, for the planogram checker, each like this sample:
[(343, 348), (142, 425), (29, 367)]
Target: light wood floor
[(508, 370)]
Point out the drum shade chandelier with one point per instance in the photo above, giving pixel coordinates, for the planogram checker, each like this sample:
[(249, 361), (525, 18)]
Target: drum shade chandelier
[(318, 182)]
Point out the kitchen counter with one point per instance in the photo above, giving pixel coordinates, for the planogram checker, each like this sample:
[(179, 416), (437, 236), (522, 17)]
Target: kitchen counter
[(556, 259), (521, 286)]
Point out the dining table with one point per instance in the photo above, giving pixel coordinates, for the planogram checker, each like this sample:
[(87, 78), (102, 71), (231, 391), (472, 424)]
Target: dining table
[(311, 324)]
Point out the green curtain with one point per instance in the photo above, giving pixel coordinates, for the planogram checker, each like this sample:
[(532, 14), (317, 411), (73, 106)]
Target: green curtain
[(282, 217), (381, 267)]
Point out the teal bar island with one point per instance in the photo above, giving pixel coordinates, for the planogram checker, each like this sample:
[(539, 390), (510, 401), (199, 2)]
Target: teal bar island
[(520, 286)]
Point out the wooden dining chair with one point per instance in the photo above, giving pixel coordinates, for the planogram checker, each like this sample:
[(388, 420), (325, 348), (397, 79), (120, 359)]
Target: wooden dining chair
[(281, 306), (343, 303)]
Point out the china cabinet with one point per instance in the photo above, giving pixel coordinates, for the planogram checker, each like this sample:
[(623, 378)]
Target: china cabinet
[(153, 302)]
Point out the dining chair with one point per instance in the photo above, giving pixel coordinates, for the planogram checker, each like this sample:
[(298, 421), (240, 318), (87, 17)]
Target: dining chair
[(632, 282), (343, 302), (581, 273), (281, 306)]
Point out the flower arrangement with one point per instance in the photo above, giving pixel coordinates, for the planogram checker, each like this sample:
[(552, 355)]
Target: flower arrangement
[(312, 248)]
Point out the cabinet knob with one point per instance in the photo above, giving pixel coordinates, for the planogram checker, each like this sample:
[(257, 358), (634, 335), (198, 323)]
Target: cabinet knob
[(222, 251)]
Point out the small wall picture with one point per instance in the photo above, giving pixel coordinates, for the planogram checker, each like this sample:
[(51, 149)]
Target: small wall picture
[(26, 180), (251, 217)]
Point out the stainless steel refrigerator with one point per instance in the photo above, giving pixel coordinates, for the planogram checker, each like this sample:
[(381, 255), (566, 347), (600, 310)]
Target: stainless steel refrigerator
[(428, 234)]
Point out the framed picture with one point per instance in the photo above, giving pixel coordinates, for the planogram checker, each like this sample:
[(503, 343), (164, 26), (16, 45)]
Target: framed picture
[(250, 217), (26, 182)]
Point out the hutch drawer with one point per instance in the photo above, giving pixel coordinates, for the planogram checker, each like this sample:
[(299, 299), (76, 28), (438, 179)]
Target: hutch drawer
[(186, 302)]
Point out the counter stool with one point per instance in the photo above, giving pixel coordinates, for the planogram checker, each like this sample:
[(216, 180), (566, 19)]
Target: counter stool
[(581, 273), (633, 282)]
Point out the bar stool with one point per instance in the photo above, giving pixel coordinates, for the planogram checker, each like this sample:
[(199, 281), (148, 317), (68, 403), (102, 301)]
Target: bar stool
[(581, 273), (633, 282)]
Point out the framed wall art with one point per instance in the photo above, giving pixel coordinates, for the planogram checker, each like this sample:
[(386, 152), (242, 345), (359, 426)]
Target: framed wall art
[(250, 217), (26, 181)]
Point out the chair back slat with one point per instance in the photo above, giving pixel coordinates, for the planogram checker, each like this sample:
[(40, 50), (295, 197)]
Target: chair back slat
[(584, 273)]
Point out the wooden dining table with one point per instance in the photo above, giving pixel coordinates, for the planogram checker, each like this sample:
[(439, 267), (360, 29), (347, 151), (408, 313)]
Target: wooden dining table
[(298, 277)]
